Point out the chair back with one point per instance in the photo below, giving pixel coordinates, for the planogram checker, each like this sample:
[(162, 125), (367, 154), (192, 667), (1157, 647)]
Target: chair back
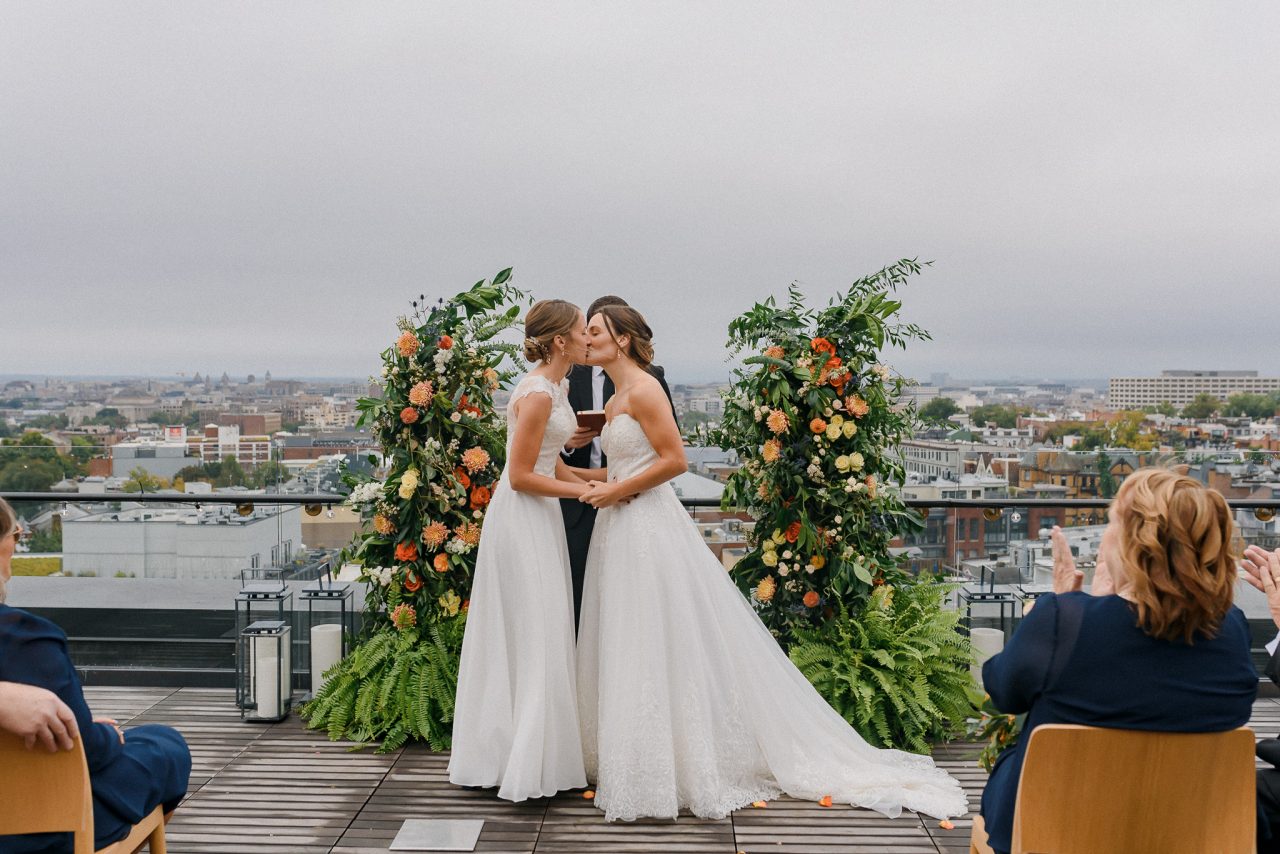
[(42, 792), (1087, 789)]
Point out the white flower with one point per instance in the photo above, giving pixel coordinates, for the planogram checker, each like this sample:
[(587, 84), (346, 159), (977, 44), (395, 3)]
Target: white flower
[(457, 547), (384, 371), (837, 403), (881, 371), (783, 569), (787, 554), (477, 514), (814, 471), (810, 568), (827, 411), (839, 519), (455, 417)]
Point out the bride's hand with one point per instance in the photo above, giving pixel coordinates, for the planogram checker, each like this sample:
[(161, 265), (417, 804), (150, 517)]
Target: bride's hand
[(602, 495)]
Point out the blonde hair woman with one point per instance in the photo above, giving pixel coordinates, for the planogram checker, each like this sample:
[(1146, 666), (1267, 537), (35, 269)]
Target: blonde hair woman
[(515, 723), (1157, 646), (130, 773)]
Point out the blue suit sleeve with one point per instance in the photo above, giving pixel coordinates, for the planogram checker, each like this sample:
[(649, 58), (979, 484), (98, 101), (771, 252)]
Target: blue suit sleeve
[(1016, 677), (40, 658)]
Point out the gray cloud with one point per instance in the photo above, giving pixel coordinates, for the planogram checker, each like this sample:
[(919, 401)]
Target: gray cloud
[(196, 186)]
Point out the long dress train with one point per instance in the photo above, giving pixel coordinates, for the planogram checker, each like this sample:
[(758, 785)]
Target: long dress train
[(685, 698)]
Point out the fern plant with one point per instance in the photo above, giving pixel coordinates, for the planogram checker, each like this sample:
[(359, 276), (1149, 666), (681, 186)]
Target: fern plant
[(397, 685), (897, 671)]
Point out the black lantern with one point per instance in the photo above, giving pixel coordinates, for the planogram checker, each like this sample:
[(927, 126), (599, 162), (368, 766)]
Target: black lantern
[(264, 671), (325, 627), (264, 598)]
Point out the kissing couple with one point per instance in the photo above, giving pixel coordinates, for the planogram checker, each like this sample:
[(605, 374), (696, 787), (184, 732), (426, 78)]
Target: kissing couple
[(675, 695)]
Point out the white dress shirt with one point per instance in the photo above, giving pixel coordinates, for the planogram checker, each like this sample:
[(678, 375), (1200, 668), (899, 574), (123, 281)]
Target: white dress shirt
[(597, 402), (1271, 647)]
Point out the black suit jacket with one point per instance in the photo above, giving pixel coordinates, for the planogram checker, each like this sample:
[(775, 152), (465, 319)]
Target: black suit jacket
[(580, 400)]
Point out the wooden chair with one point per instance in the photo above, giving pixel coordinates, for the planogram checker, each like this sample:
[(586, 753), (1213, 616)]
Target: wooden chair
[(1088, 790), (43, 792)]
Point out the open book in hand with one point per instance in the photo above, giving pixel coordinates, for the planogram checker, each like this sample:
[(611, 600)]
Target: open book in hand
[(592, 419)]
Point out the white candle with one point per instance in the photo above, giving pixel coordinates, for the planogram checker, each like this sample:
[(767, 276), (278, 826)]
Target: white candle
[(326, 649), (267, 677), (985, 643)]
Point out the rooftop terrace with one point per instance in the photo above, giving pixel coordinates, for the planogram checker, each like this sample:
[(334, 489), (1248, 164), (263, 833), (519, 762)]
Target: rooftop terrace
[(282, 788)]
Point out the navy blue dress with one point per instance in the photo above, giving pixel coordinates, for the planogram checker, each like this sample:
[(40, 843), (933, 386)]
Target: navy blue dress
[(1081, 659), (129, 780)]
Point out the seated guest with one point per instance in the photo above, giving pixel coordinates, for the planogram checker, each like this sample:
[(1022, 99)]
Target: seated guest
[(37, 715), (1157, 646), (1261, 569), (131, 773)]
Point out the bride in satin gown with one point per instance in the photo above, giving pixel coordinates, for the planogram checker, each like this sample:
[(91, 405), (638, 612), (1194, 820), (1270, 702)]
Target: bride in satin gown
[(515, 722), (685, 699)]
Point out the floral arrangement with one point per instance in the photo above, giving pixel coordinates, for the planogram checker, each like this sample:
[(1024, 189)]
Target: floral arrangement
[(815, 418), (444, 449)]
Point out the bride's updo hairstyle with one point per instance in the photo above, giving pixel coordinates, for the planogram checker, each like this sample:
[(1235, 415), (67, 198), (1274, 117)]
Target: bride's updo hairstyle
[(623, 320), (547, 319)]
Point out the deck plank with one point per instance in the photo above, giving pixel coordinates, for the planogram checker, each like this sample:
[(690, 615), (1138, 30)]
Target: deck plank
[(285, 789)]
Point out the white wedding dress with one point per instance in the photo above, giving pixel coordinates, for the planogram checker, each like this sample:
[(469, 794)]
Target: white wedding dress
[(515, 722), (685, 698)]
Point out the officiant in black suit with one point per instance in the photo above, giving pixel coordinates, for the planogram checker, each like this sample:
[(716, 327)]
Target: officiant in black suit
[(589, 388)]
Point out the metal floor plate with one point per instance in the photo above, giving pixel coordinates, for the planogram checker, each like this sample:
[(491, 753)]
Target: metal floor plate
[(437, 834)]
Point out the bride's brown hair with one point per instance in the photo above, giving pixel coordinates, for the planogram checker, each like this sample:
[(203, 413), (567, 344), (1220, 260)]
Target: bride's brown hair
[(547, 319), (624, 320)]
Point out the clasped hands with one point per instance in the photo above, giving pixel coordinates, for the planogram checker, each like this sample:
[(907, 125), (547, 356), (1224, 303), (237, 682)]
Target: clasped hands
[(600, 494)]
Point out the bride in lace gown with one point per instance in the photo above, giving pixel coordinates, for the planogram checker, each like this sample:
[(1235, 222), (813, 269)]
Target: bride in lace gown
[(686, 700), (515, 722)]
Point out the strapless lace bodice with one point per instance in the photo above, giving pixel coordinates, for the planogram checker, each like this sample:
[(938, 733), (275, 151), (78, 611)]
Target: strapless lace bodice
[(627, 447), (560, 426)]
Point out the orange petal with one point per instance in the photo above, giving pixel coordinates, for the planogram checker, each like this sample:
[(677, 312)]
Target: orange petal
[(825, 802), (759, 804), (946, 825), (589, 794)]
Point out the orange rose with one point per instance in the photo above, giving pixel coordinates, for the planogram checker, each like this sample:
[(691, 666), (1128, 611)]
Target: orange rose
[(793, 532), (407, 552), (466, 605), (441, 563), (480, 497), (811, 601), (412, 582), (818, 561), (408, 415), (446, 343), (822, 345), (817, 425), (460, 475)]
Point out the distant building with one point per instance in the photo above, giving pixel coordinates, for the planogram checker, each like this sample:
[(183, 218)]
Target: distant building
[(217, 443), (162, 458), (1181, 387), (155, 542)]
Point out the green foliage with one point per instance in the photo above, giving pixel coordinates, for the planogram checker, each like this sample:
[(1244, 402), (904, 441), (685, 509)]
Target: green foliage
[(1002, 416), (897, 670), (938, 410), (141, 480), (31, 463), (998, 730), (395, 686), (44, 542), (444, 450), (1202, 406), (825, 521), (36, 565), (1256, 406)]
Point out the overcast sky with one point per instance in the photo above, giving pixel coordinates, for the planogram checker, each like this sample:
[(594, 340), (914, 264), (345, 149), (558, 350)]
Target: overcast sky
[(252, 186)]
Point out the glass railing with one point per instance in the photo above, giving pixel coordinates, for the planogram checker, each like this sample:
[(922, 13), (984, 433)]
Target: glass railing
[(146, 585)]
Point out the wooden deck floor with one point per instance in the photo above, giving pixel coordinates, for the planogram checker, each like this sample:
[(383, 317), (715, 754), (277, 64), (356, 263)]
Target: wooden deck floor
[(281, 788)]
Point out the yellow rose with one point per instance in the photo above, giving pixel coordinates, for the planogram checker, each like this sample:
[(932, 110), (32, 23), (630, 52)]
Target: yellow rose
[(769, 545), (842, 463), (849, 429), (833, 431), (770, 558), (836, 420), (855, 461), (778, 536)]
